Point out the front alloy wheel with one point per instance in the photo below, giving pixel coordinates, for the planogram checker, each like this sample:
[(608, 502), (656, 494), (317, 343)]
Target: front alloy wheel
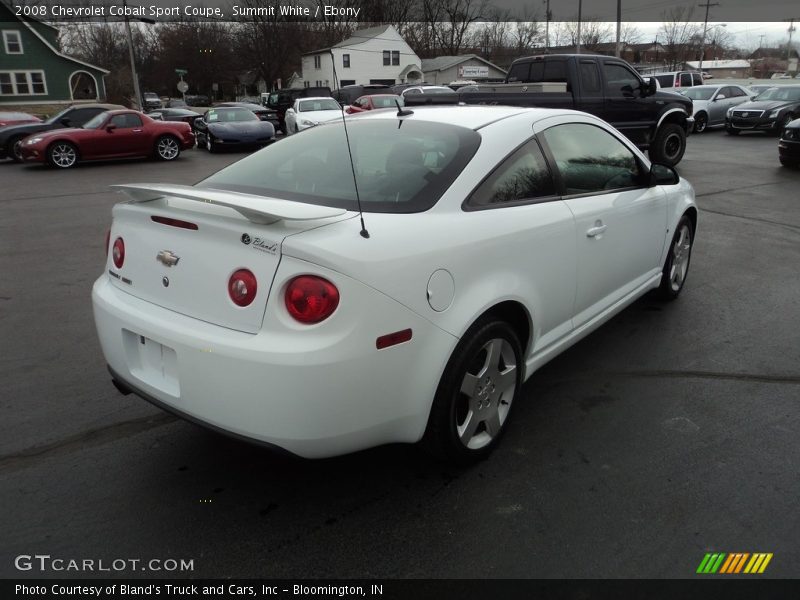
[(700, 123), (16, 148), (63, 155), (477, 391)]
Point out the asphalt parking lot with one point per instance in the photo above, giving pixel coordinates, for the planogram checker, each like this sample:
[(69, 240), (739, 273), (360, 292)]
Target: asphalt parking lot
[(670, 432)]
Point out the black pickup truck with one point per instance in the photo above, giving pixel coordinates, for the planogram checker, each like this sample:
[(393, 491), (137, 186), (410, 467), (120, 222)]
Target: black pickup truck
[(604, 86)]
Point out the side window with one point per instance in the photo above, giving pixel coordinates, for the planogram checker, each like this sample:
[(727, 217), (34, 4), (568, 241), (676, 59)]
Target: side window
[(523, 175), (590, 78), (697, 79), (125, 121), (80, 117), (589, 159), (665, 81), (686, 80), (619, 80), (736, 92), (519, 72)]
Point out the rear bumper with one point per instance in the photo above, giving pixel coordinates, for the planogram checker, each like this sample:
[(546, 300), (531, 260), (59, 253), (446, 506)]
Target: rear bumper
[(315, 391)]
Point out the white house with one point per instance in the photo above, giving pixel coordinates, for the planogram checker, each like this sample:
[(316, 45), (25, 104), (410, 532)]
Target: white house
[(374, 55)]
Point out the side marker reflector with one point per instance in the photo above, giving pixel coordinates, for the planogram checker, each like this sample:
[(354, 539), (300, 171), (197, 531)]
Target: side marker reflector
[(392, 339)]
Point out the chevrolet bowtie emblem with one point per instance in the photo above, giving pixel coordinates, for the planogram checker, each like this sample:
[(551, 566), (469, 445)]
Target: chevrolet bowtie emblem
[(167, 258)]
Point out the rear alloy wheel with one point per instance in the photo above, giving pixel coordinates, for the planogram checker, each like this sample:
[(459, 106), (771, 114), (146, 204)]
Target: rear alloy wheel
[(476, 393), (62, 155), (700, 123), (15, 148), (669, 144), (167, 148), (676, 267)]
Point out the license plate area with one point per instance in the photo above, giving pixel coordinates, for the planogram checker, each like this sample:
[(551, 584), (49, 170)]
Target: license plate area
[(152, 363)]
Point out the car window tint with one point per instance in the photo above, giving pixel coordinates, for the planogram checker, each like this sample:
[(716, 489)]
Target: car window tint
[(619, 80), (590, 78), (697, 79), (666, 81), (519, 72), (78, 118), (523, 175), (686, 80), (589, 159), (399, 169)]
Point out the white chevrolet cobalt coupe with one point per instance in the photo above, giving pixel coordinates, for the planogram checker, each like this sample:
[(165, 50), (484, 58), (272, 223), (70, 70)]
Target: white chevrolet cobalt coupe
[(256, 303)]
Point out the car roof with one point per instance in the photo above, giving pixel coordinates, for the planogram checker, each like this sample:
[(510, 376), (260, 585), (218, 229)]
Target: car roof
[(99, 105), (472, 117), (316, 98)]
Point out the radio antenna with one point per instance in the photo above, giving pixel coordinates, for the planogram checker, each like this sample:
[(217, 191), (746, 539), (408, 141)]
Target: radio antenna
[(364, 233)]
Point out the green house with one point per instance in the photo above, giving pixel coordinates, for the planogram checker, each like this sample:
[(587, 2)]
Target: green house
[(33, 70)]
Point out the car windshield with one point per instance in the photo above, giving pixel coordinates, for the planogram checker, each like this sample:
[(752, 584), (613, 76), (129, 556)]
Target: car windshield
[(319, 104), (55, 118), (790, 94), (387, 101), (398, 169), (96, 121), (230, 115), (699, 94)]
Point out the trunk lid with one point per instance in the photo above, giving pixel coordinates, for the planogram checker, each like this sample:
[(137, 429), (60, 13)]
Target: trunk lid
[(182, 244)]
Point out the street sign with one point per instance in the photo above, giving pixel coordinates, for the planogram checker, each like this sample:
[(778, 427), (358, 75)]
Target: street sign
[(181, 71), (215, 87), (182, 87)]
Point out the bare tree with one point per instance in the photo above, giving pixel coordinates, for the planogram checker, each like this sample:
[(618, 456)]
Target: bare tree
[(679, 36)]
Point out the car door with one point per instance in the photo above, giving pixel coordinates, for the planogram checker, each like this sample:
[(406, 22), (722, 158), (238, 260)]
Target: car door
[(718, 106), (121, 136), (527, 230), (620, 220), (625, 106)]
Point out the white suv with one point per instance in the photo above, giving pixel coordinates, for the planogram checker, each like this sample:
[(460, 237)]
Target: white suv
[(678, 79)]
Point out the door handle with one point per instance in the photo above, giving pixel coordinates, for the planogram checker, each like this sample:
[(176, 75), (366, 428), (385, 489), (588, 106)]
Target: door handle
[(137, 131), (597, 230)]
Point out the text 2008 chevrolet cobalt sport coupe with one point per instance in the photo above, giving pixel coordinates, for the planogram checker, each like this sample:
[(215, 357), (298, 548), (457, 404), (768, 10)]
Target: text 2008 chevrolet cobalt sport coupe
[(494, 238)]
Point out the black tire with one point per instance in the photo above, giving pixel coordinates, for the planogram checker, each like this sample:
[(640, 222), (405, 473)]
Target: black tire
[(788, 162), (673, 277), (210, 145), (669, 144), (167, 148), (62, 155), (489, 360), (14, 148), (784, 122), (732, 131), (700, 122)]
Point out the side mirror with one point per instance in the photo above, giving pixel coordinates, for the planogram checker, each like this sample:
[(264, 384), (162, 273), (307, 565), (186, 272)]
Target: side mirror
[(754, 96), (663, 175), (65, 121), (199, 122), (650, 86), (110, 127)]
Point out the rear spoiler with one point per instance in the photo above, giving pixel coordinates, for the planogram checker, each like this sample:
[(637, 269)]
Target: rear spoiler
[(258, 209)]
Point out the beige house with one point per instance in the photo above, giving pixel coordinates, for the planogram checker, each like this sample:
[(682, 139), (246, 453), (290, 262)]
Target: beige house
[(444, 69)]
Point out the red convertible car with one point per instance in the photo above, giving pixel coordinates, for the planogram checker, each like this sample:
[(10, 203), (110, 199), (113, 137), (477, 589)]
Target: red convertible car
[(109, 135), (374, 101)]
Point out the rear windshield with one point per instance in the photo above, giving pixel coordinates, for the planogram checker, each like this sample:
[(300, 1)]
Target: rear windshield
[(319, 104), (401, 167)]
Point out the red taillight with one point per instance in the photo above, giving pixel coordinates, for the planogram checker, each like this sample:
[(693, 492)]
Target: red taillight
[(242, 287), (311, 299), (118, 253), (108, 239)]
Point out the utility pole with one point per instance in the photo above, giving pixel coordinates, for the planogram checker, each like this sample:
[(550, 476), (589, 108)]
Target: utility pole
[(547, 16), (708, 5), (761, 41), (137, 103), (580, 9), (619, 28), (789, 46)]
